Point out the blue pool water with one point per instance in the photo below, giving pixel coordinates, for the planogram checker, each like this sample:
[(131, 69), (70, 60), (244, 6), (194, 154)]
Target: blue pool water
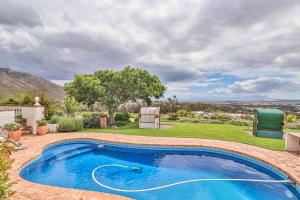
[(145, 172)]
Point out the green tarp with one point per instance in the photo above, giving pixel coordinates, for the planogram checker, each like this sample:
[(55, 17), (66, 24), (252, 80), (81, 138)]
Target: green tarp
[(268, 123)]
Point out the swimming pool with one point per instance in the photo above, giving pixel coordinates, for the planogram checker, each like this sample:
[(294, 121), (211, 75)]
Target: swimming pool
[(153, 172)]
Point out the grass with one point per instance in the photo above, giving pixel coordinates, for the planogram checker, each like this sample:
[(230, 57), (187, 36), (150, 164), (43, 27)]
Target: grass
[(225, 132)]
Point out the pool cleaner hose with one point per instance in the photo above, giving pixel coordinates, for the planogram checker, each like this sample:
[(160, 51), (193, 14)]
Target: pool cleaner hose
[(139, 170)]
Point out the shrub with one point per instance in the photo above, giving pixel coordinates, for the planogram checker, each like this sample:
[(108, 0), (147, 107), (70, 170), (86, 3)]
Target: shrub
[(11, 127), (91, 120), (185, 119), (54, 119), (69, 124), (290, 118), (70, 106), (51, 106), (21, 98), (220, 116), (60, 113), (122, 116), (87, 114), (134, 118), (121, 123), (239, 123), (41, 122), (293, 126), (182, 113), (215, 122), (19, 119), (5, 165), (195, 120), (172, 116)]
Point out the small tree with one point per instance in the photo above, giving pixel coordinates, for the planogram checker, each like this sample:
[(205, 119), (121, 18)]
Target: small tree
[(113, 88), (70, 106)]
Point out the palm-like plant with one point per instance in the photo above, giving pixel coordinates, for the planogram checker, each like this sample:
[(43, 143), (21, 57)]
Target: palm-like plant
[(290, 118)]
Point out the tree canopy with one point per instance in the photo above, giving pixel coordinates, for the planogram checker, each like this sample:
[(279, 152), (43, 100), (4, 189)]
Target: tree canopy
[(113, 88)]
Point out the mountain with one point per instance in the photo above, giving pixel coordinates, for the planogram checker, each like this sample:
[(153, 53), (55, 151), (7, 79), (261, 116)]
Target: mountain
[(12, 82)]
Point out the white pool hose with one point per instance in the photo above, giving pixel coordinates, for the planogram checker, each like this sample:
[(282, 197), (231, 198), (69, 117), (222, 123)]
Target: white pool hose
[(177, 183)]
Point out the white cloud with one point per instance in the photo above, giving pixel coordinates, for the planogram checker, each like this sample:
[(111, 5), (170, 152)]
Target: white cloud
[(179, 41), (271, 86)]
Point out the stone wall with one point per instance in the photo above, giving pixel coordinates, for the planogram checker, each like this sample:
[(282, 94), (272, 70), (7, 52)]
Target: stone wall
[(7, 117)]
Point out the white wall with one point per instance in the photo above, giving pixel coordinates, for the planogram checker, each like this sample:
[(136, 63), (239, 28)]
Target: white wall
[(7, 117), (31, 113), (154, 124)]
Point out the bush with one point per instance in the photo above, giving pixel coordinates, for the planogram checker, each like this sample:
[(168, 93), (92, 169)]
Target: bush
[(51, 106), (122, 116), (215, 122), (5, 165), (70, 106), (69, 124), (195, 120), (185, 119), (91, 120), (220, 116), (239, 123), (121, 123), (60, 113), (21, 99), (182, 113), (19, 119), (172, 116), (54, 119), (87, 114), (42, 122), (11, 127), (290, 118), (292, 126)]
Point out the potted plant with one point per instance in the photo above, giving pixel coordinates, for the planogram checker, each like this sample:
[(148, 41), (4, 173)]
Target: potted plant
[(21, 120), (53, 124), (14, 131), (42, 128)]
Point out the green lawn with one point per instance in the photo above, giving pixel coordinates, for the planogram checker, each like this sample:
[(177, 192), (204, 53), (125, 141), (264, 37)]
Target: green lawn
[(197, 130)]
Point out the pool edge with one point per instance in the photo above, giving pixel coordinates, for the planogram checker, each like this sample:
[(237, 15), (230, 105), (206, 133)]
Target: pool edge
[(57, 141)]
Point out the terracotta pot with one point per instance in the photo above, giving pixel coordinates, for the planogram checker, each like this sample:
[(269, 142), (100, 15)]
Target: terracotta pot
[(42, 130), (103, 121), (15, 135)]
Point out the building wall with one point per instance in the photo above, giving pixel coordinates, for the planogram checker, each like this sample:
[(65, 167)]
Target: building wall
[(7, 117)]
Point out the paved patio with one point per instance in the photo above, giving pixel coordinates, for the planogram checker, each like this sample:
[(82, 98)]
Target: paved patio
[(285, 161)]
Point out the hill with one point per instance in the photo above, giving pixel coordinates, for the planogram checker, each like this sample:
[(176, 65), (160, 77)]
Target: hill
[(12, 82)]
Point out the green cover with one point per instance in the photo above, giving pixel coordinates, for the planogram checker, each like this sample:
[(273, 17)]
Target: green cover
[(269, 134), (269, 121)]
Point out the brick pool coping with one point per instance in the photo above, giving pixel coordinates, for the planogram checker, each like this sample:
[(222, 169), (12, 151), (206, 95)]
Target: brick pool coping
[(285, 161)]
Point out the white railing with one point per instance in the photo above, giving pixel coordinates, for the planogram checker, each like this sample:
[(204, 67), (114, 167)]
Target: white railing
[(16, 109)]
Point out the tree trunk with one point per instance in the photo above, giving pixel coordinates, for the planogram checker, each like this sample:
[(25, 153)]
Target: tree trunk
[(111, 114)]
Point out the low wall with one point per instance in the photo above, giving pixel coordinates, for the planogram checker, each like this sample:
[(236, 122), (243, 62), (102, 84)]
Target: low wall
[(7, 117)]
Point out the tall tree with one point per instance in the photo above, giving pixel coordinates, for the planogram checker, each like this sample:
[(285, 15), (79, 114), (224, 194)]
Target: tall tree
[(113, 88)]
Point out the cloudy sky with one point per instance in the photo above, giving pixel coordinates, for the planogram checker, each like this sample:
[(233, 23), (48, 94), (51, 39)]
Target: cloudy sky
[(201, 49)]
